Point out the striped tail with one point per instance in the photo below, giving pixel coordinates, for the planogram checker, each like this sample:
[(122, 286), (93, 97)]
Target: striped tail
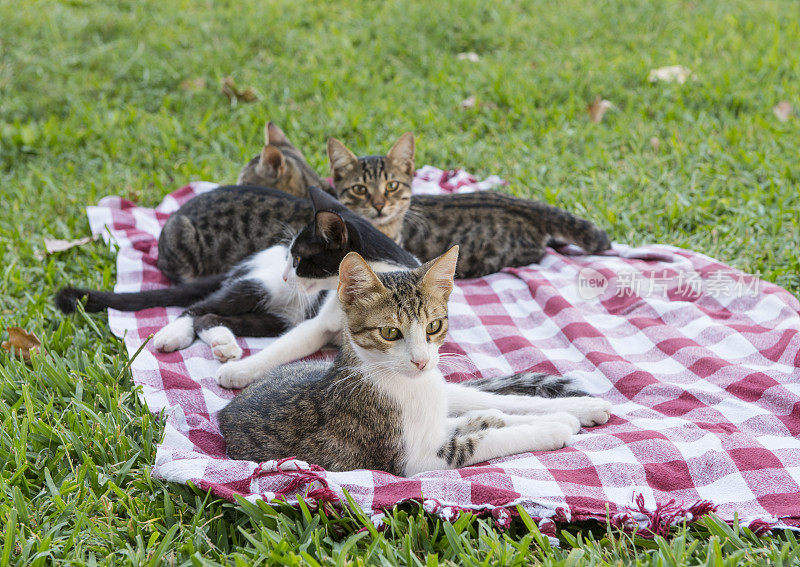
[(529, 384)]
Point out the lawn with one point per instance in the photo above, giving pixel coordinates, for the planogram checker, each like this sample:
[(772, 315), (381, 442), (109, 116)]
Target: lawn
[(124, 98)]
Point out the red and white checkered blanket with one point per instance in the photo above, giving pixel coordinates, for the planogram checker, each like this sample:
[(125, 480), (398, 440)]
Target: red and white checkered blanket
[(701, 362)]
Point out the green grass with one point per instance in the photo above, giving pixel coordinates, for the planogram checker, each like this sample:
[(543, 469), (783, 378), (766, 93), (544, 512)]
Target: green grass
[(91, 104)]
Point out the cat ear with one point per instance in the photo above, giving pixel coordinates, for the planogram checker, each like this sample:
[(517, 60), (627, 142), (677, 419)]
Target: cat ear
[(340, 158), (274, 135), (272, 157), (331, 228), (402, 153), (356, 279), (439, 273), (323, 201)]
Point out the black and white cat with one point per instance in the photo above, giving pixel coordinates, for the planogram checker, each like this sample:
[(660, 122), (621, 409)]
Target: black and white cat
[(280, 288)]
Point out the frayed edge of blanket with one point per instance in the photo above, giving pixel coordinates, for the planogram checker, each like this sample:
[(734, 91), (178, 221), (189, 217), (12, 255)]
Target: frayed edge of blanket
[(638, 518)]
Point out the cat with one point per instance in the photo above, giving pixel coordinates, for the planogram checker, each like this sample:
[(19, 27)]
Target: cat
[(495, 230), (383, 404), (280, 165), (268, 293)]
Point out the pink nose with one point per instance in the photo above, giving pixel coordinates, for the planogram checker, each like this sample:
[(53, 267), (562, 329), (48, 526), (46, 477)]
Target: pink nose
[(420, 364), (285, 278)]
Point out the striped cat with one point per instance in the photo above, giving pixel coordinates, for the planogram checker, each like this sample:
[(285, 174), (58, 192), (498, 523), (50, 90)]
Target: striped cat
[(383, 404)]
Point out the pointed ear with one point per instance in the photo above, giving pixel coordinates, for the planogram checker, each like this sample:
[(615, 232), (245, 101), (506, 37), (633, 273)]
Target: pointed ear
[(340, 158), (272, 157), (356, 279), (323, 201), (439, 273), (402, 153), (274, 135), (331, 228)]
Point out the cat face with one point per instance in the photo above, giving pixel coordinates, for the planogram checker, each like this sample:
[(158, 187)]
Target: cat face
[(280, 165), (376, 187), (397, 321)]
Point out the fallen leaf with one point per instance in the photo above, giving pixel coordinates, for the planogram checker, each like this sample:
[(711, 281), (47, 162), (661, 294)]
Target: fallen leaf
[(469, 56), (132, 194), (598, 108), (23, 343), (230, 90), (472, 102), (655, 143), (783, 110), (54, 245), (193, 85), (671, 74), (469, 102)]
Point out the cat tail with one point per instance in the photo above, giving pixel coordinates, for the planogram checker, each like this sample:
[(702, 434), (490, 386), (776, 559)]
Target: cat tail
[(564, 227), (181, 295), (529, 384)]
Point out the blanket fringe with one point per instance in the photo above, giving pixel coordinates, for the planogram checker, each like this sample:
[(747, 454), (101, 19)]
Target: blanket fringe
[(660, 520)]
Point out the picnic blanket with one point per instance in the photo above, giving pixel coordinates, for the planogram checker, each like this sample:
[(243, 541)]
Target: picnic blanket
[(701, 362)]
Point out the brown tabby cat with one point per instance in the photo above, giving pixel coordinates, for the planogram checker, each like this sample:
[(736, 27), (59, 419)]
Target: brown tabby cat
[(280, 165), (383, 403)]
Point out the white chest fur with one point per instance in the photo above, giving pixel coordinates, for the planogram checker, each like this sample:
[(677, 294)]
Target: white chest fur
[(423, 408)]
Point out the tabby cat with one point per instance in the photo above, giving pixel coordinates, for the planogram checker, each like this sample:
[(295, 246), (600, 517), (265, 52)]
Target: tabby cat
[(280, 165), (383, 404), (495, 230), (274, 290)]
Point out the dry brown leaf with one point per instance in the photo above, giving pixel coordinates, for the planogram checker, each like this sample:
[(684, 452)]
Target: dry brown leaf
[(230, 90), (469, 56), (598, 108), (54, 245), (23, 343), (655, 143), (671, 74), (783, 110), (193, 85)]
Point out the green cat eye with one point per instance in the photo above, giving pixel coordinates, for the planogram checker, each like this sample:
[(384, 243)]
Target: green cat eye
[(434, 327), (390, 333), (393, 186), (359, 189)]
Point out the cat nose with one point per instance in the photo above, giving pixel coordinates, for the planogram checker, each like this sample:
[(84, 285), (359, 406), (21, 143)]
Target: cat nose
[(420, 364), (378, 206)]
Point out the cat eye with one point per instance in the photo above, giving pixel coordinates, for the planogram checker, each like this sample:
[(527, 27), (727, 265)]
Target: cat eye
[(434, 327), (295, 261), (393, 185), (359, 189), (390, 333)]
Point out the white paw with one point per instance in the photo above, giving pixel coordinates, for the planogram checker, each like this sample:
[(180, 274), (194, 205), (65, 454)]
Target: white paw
[(222, 342), (226, 351), (175, 336), (550, 435), (567, 419), (590, 411), (236, 374)]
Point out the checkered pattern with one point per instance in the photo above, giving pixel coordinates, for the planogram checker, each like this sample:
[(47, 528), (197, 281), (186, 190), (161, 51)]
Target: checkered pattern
[(700, 361)]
